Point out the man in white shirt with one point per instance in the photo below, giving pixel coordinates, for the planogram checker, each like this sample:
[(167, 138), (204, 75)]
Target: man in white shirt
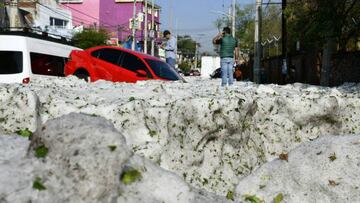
[(170, 48)]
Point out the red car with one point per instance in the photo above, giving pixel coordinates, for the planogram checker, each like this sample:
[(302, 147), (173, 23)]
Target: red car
[(118, 65)]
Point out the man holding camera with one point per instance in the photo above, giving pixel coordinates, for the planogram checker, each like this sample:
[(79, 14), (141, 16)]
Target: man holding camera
[(170, 48), (229, 53)]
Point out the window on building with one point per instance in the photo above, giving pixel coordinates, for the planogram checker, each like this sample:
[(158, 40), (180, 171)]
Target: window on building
[(59, 23), (43, 64), (11, 62)]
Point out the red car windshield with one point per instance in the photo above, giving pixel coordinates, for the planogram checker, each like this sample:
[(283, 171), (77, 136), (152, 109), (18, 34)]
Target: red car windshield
[(163, 70)]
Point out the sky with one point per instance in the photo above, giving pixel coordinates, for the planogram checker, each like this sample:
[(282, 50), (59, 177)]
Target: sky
[(195, 17)]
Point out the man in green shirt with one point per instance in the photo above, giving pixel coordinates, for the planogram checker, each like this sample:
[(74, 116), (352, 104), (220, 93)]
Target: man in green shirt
[(229, 53)]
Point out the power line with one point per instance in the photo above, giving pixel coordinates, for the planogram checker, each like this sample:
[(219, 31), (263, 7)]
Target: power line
[(87, 15), (62, 14), (81, 19)]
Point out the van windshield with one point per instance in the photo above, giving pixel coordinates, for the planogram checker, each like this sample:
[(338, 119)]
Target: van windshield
[(11, 62)]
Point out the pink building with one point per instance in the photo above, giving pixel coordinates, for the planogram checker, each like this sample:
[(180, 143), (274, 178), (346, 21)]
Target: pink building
[(113, 15)]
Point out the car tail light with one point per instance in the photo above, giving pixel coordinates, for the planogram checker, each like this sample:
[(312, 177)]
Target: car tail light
[(26, 80)]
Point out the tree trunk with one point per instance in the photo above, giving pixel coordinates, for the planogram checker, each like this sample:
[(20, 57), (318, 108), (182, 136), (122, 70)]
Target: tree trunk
[(328, 51), (4, 21)]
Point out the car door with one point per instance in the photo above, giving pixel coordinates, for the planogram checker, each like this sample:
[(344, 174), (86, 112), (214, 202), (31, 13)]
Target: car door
[(133, 67), (106, 62)]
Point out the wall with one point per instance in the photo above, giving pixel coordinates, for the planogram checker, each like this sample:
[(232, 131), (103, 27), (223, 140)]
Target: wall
[(306, 69), (346, 68), (117, 15), (87, 12), (44, 14), (114, 14), (208, 65)]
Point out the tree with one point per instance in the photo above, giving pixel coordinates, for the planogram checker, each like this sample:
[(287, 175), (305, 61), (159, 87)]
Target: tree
[(245, 25), (186, 45), (319, 24), (219, 23), (4, 21), (90, 38)]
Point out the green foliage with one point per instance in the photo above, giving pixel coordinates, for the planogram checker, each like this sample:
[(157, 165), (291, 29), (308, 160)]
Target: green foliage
[(230, 195), (186, 45), (245, 25), (312, 21), (130, 176), (279, 198), (185, 66), (112, 147), (332, 157), (219, 23), (24, 133), (41, 151), (131, 99), (252, 199), (38, 185), (152, 133), (90, 38)]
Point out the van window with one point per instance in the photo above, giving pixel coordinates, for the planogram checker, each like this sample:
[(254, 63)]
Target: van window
[(43, 64), (11, 62)]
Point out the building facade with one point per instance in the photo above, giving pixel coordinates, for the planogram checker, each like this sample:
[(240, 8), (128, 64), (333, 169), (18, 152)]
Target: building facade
[(113, 15), (42, 15)]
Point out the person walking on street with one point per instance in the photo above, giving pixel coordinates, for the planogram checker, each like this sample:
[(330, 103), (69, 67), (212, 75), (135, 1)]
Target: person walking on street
[(170, 48), (128, 44), (229, 53)]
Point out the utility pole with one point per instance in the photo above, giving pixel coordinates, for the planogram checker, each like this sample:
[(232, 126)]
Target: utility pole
[(133, 27), (233, 17), (146, 28), (257, 59), (284, 39), (196, 51), (171, 14), (13, 13), (177, 33), (153, 28)]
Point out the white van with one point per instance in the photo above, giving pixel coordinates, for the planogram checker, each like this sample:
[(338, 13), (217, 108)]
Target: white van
[(22, 55)]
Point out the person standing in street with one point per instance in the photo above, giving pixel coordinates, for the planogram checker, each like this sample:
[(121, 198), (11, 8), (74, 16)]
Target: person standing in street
[(229, 53), (128, 42), (170, 48)]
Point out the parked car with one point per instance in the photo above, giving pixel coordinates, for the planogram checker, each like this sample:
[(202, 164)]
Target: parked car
[(193, 72), (24, 54), (216, 73), (237, 74), (118, 65)]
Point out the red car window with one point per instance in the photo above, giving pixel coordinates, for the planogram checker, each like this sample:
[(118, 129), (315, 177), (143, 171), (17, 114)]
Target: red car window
[(109, 55), (134, 63), (163, 70)]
